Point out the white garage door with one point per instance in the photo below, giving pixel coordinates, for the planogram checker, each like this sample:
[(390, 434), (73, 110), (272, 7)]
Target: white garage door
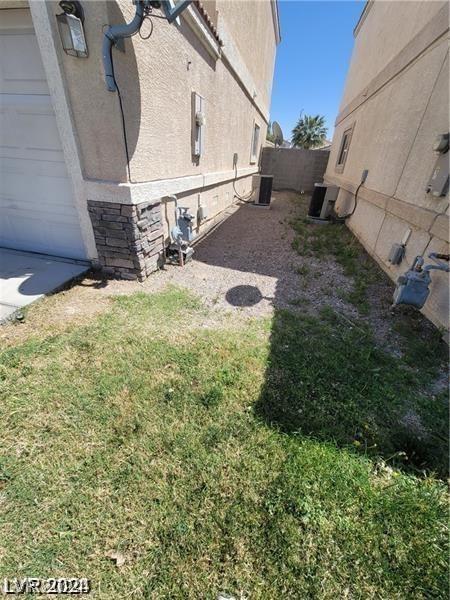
[(37, 211)]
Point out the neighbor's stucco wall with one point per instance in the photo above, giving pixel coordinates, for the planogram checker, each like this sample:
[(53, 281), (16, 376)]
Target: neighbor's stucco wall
[(406, 107), (156, 78), (386, 30)]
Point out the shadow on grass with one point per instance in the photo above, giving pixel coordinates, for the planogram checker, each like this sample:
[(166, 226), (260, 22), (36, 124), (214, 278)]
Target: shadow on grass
[(328, 380), (326, 376)]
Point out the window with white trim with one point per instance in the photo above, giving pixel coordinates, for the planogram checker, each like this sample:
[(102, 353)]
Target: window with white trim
[(343, 149)]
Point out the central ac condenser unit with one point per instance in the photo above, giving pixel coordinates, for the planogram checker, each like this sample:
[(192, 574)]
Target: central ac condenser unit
[(262, 185)]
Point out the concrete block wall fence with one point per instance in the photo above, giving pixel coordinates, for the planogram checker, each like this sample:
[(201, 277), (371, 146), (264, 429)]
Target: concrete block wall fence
[(294, 168)]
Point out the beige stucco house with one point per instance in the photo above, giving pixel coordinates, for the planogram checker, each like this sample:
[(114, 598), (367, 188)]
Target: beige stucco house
[(394, 107), (86, 172)]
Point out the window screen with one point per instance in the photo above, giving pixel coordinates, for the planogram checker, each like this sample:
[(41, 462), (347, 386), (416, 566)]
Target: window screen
[(255, 142), (343, 149)]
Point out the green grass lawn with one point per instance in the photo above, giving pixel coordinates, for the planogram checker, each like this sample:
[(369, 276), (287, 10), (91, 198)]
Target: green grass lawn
[(261, 458)]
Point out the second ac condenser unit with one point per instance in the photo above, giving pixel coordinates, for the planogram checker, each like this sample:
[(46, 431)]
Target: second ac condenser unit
[(322, 201), (262, 185)]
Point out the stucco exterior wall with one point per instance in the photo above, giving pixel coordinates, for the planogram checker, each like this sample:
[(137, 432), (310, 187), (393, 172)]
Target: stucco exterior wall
[(156, 78), (248, 22), (401, 60), (387, 28), (95, 112), (217, 198)]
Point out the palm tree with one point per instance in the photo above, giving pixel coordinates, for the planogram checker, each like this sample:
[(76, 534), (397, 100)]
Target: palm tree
[(309, 132)]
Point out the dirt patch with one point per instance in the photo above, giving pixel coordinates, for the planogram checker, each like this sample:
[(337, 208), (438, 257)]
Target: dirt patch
[(77, 304), (247, 267)]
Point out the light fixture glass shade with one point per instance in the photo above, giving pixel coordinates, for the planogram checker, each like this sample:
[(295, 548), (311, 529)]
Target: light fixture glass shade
[(72, 35)]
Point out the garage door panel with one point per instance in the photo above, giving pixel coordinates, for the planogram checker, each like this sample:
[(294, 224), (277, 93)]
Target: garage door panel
[(41, 131), (19, 230), (36, 203), (21, 65), (13, 212), (21, 68), (37, 196), (28, 122), (14, 165)]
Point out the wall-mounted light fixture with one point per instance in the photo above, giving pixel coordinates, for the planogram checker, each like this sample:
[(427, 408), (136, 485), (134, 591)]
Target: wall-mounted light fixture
[(70, 24)]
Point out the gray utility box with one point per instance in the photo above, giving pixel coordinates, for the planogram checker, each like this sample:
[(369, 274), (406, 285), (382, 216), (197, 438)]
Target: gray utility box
[(202, 212), (438, 183), (396, 254)]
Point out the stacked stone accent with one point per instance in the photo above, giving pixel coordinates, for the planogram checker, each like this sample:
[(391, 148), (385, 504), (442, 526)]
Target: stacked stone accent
[(129, 238)]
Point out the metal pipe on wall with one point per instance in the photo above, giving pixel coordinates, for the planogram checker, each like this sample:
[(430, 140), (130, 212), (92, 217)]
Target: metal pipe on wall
[(112, 35)]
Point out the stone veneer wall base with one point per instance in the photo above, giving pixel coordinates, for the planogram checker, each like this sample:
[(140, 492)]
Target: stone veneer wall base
[(129, 238)]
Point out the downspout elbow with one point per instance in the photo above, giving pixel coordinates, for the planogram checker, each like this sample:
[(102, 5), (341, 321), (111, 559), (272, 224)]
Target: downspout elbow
[(173, 198), (112, 35)]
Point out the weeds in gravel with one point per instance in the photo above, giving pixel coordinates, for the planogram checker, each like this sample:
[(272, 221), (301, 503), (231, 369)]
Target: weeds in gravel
[(217, 460), (337, 241), (303, 270)]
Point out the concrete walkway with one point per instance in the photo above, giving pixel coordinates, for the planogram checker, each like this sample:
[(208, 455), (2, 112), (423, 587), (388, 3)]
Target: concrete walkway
[(25, 277)]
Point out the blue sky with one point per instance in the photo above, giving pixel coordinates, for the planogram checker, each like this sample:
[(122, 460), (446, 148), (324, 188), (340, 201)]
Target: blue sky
[(312, 59)]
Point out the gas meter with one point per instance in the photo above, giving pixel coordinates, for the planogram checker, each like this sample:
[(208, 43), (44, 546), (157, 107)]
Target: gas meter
[(413, 287)]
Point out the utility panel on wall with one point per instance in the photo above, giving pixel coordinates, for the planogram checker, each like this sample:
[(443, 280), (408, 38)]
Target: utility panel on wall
[(198, 125)]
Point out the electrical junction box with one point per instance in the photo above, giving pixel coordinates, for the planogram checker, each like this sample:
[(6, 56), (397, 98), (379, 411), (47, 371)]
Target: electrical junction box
[(396, 254), (202, 212), (438, 183), (198, 125)]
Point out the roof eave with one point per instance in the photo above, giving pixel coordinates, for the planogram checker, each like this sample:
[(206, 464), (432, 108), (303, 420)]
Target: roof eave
[(365, 11), (276, 20)]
